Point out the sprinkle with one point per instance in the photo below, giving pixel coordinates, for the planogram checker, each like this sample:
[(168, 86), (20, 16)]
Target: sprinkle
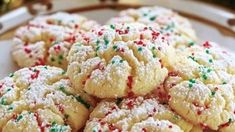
[(139, 49), (204, 76), (11, 74), (52, 59), (111, 26), (63, 72), (207, 51), (206, 45), (106, 41), (121, 61), (213, 93), (191, 43), (19, 118), (97, 48), (224, 82), (10, 108), (60, 57), (152, 18), (113, 62), (27, 50), (3, 101), (79, 99), (210, 60), (35, 75), (129, 81), (115, 47), (145, 14)]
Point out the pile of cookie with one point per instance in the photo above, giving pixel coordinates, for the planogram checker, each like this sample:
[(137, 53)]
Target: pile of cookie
[(143, 71)]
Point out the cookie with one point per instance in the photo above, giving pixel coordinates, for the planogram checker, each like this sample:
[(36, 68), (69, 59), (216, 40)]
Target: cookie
[(175, 27), (41, 99), (73, 21), (119, 60), (48, 39), (135, 114), (201, 89)]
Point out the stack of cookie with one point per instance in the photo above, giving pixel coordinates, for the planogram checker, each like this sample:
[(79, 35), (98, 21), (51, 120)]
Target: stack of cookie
[(141, 72)]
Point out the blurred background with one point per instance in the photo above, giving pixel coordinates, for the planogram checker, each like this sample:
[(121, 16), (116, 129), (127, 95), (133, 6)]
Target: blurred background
[(7, 5)]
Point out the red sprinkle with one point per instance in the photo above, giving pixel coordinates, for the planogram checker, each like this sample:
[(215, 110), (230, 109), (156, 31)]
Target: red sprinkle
[(170, 126), (27, 50), (130, 104), (14, 116), (129, 82), (35, 75), (206, 44), (39, 121), (71, 39), (60, 107), (76, 26), (155, 35), (199, 112), (144, 130), (172, 74), (100, 33)]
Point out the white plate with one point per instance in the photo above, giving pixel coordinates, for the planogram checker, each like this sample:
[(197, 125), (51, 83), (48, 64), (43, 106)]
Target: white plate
[(204, 32)]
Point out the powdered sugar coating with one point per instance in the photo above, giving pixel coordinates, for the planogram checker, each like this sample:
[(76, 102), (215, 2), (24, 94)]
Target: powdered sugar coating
[(117, 60), (43, 98), (202, 89), (131, 114), (48, 39), (177, 28)]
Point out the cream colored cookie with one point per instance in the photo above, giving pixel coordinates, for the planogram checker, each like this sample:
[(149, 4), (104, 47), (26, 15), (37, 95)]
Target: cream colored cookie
[(175, 27), (41, 99), (48, 39), (201, 86), (135, 114), (119, 60), (73, 21)]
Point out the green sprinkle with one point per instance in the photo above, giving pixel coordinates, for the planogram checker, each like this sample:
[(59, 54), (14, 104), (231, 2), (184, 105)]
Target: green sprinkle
[(213, 93), (113, 62), (230, 120), (94, 130), (8, 89), (204, 76), (209, 70), (59, 62), (154, 56), (97, 42), (190, 85), (191, 43), (111, 26), (193, 58), (3, 101), (224, 82), (106, 41), (128, 28), (121, 61), (145, 14), (11, 74), (60, 57), (119, 100), (152, 18), (45, 67), (139, 49), (97, 48), (79, 99), (53, 123), (153, 48), (115, 47), (210, 60), (192, 80), (52, 59), (19, 118), (62, 88), (207, 51), (10, 108)]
